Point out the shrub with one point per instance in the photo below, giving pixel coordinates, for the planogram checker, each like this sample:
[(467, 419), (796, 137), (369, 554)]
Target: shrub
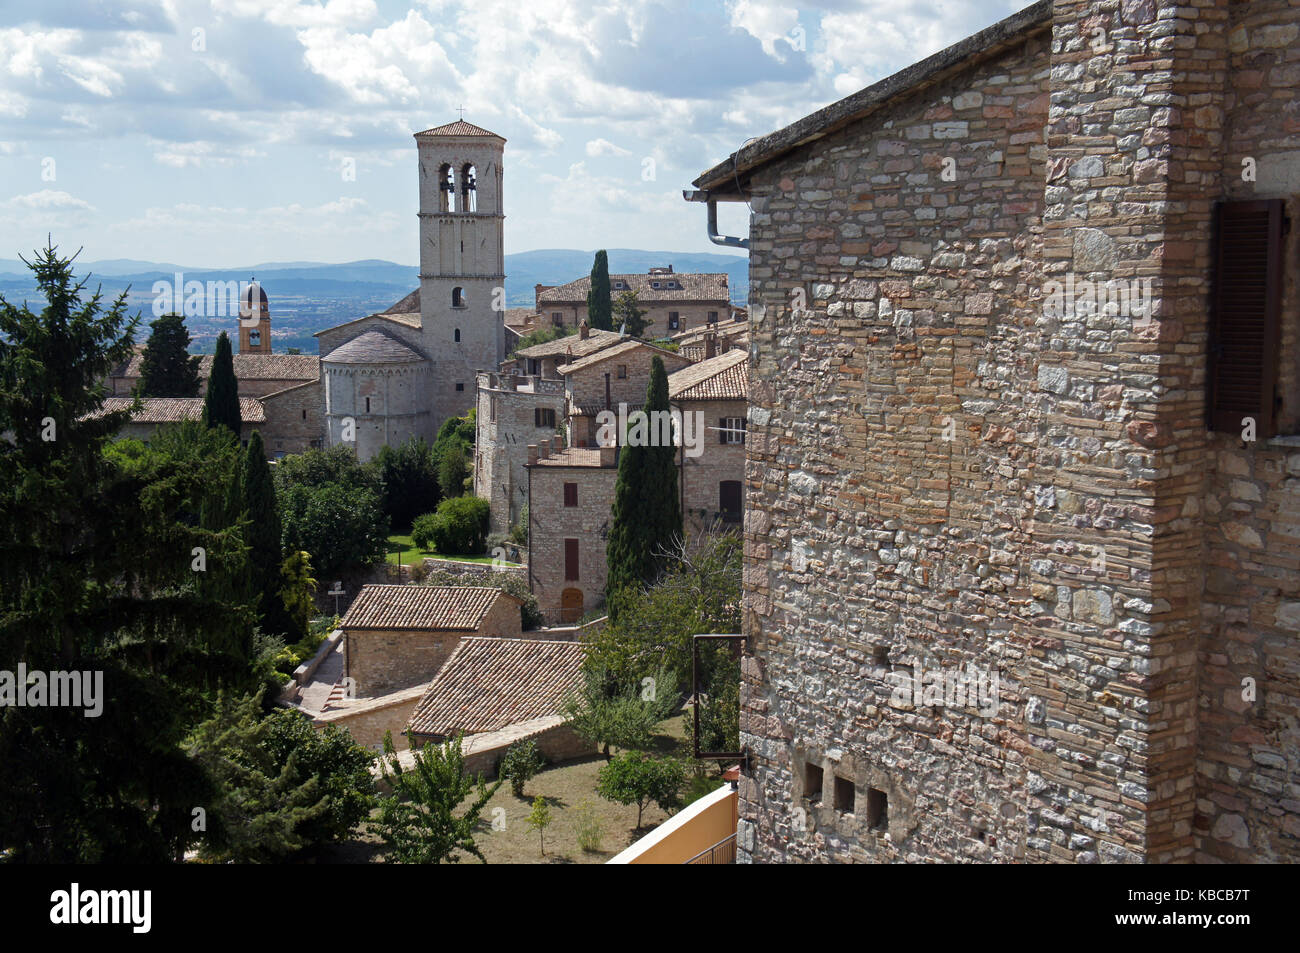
[(590, 830), (635, 777), (520, 764), (519, 532), (459, 528), (422, 530)]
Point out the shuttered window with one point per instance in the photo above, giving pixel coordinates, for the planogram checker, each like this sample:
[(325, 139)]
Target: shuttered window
[(570, 494), (1246, 331), (571, 560)]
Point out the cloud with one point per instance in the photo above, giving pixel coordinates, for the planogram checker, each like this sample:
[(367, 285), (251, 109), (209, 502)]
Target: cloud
[(48, 200), (603, 147)]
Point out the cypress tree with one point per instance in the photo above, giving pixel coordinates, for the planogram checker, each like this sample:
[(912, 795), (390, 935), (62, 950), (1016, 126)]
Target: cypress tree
[(265, 555), (647, 517), (168, 370), (600, 309), (221, 407)]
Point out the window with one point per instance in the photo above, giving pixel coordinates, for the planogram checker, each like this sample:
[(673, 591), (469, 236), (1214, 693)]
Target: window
[(570, 560), (622, 372), (674, 321), (456, 336), (534, 365), (731, 430), (254, 337), (812, 782), (654, 284), (557, 318), (1246, 323), (468, 189), (570, 494), (713, 317), (729, 501), (492, 407), (460, 385), (446, 188), (877, 809), (544, 417), (367, 405), (458, 297), (844, 795), (304, 413)]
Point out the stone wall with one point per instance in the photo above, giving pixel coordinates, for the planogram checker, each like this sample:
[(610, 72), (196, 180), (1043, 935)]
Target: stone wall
[(551, 523), (587, 386), (701, 475), (294, 419), (367, 720), (506, 425)]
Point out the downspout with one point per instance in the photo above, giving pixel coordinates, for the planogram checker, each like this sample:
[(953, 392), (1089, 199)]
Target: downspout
[(712, 199)]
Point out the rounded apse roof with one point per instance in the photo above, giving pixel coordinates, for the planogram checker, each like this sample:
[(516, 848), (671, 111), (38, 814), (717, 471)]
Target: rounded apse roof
[(372, 347)]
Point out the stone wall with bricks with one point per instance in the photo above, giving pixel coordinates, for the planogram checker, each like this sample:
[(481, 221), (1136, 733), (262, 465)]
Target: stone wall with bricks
[(587, 385), (295, 419), (381, 661), (506, 424), (945, 472), (551, 523), (1248, 798), (702, 475)]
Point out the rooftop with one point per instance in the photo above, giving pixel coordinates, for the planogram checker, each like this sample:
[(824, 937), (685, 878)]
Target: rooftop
[(171, 410), (458, 608), (627, 346), (725, 377), (459, 128), (248, 367), (689, 287), (372, 347), (574, 344), (488, 684)]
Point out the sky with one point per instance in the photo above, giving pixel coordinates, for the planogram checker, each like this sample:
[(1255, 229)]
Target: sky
[(220, 133)]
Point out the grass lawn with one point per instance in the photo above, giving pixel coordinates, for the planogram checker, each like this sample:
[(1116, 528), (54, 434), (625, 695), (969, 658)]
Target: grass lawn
[(566, 788), (402, 547)]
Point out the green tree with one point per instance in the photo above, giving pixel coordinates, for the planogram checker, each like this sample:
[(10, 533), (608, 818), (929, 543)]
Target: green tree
[(459, 528), (609, 714), (539, 819), (98, 573), (297, 586), (316, 468), (628, 316), (409, 478), (167, 369), (599, 303), (452, 470), (343, 528), (420, 822), (266, 553), (520, 764), (221, 405), (646, 522), (635, 777)]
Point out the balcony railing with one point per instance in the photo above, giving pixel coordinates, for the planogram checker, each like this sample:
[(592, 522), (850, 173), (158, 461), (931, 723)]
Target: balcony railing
[(723, 852)]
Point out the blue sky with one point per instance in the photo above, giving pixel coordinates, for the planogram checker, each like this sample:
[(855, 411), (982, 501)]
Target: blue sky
[(215, 132)]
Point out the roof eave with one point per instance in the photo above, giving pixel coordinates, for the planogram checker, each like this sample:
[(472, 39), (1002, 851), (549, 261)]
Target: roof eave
[(727, 175)]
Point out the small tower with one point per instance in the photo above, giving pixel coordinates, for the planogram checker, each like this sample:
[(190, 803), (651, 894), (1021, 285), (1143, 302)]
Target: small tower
[(462, 267), (254, 320)]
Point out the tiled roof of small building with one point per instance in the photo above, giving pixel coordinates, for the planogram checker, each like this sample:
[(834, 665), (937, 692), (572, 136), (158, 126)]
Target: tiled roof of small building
[(408, 305), (572, 457), (248, 367), (488, 684), (604, 354), (458, 608), (725, 377), (459, 128), (372, 347), (574, 344), (707, 286), (171, 410)]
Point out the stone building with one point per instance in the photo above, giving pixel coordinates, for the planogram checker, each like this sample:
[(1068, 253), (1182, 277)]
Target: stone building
[(570, 495), (158, 412), (614, 378), (433, 343), (397, 637), (672, 301), (545, 359), (513, 412), (963, 460), (715, 393)]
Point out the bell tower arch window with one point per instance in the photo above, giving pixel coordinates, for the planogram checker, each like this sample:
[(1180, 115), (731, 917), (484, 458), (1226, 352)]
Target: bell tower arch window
[(468, 188), (446, 187), (458, 297)]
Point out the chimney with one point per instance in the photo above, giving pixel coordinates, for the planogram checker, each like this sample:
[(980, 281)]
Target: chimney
[(710, 345), (543, 450), (557, 442), (609, 455), (584, 330), (532, 454)]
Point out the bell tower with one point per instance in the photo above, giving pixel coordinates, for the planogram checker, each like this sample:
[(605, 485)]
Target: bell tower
[(254, 320), (462, 260)]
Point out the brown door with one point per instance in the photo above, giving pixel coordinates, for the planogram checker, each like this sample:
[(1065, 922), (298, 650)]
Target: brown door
[(571, 605)]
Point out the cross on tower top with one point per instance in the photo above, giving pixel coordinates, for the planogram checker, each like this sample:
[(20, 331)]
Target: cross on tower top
[(461, 110)]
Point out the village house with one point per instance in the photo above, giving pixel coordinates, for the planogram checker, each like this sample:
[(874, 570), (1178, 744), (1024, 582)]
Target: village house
[(672, 301), (1022, 414), (715, 393), (614, 378), (513, 411)]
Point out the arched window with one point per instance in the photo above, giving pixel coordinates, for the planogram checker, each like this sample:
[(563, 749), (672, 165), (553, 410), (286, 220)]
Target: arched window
[(458, 297), (468, 188), (446, 187), (458, 335), (254, 337)]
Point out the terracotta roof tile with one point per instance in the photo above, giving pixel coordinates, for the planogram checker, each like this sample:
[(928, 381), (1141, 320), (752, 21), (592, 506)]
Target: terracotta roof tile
[(604, 354), (725, 377), (171, 410), (459, 608), (689, 287), (488, 684), (263, 367), (596, 340), (372, 347), (459, 128)]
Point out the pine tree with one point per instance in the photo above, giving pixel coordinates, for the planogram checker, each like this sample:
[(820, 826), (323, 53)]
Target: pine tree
[(167, 369), (646, 523), (266, 560), (600, 309), (221, 408)]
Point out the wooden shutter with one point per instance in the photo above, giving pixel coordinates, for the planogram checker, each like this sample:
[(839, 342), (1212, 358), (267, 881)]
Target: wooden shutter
[(722, 430), (1246, 326), (570, 494), (571, 560)]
